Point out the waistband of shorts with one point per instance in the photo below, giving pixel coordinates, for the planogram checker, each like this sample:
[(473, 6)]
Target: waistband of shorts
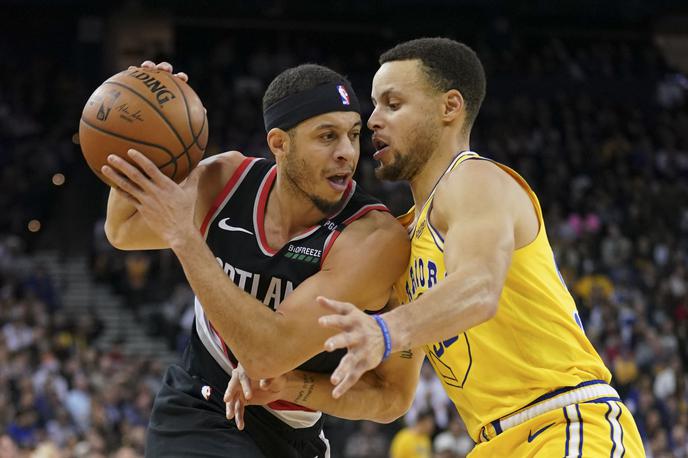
[(583, 392)]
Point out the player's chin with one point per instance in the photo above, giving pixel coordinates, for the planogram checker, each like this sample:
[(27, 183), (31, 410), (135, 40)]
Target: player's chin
[(332, 198), (390, 171), (328, 200)]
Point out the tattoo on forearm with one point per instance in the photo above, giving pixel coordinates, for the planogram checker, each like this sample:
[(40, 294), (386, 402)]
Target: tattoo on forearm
[(407, 354), (306, 389)]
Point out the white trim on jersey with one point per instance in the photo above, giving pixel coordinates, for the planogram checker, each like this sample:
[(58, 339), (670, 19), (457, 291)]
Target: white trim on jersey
[(211, 341), (304, 235), (296, 418), (256, 203)]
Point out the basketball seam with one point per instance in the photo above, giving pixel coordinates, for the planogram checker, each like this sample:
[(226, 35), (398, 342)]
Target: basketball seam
[(203, 126), (195, 142), (188, 118), (162, 148), (157, 110)]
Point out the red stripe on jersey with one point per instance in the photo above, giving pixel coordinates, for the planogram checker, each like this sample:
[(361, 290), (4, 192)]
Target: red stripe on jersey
[(364, 210), (231, 183), (326, 250), (260, 211), (286, 405), (352, 218), (225, 348)]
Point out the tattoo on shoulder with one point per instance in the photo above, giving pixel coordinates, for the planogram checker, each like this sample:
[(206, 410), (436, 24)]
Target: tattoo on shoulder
[(306, 388), (406, 354)]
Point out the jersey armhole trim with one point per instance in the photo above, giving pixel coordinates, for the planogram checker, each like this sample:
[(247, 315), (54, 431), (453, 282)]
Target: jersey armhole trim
[(365, 210), (329, 242), (227, 191)]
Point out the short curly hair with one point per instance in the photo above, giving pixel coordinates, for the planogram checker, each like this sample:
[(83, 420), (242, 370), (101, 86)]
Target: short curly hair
[(447, 64)]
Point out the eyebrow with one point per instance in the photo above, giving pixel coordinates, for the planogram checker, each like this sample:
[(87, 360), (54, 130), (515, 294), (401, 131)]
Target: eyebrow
[(329, 125), (384, 94)]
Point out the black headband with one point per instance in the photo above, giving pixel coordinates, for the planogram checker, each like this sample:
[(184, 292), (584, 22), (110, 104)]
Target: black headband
[(291, 110)]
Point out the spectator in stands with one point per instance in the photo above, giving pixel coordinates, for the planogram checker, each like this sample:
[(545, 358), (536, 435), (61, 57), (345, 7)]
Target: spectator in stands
[(414, 441), (455, 442), (610, 170), (430, 395), (367, 442)]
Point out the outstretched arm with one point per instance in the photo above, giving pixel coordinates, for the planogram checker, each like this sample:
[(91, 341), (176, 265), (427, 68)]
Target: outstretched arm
[(382, 395), (477, 208)]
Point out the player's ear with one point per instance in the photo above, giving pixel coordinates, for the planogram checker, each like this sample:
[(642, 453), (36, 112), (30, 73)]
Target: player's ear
[(453, 105), (278, 142)]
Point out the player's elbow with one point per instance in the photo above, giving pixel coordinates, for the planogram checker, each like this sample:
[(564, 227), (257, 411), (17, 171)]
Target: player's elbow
[(400, 397), (387, 417), (397, 409), (390, 413), (114, 235), (117, 237)]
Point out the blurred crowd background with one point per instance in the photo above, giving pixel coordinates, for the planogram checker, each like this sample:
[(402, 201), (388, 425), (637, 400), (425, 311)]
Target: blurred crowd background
[(588, 102)]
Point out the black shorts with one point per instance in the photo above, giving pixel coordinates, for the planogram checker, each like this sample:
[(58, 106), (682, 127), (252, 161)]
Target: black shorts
[(184, 424)]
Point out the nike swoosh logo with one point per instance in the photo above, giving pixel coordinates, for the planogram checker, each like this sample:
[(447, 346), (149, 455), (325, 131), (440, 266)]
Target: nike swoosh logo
[(531, 436), (223, 225)]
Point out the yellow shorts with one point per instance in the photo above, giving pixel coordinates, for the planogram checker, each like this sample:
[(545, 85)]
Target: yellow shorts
[(595, 429)]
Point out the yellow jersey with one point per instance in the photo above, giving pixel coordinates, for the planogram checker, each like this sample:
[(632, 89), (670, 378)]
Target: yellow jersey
[(533, 345)]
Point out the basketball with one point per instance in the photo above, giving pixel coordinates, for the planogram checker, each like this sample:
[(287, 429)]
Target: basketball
[(151, 111)]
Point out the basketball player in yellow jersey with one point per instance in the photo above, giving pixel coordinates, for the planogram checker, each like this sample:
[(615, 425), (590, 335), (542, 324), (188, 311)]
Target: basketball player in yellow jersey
[(484, 297)]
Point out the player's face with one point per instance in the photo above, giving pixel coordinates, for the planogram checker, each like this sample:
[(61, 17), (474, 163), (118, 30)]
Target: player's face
[(323, 154), (406, 122)]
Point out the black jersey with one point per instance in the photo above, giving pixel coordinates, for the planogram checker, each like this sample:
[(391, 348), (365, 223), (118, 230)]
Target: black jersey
[(234, 231)]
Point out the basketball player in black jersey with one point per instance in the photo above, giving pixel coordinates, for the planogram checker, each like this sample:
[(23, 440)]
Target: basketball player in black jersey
[(259, 241)]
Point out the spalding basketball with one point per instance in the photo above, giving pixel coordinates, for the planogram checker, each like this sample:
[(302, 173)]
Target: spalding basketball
[(151, 111)]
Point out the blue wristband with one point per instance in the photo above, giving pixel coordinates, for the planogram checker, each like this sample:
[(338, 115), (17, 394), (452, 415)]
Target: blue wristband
[(385, 335)]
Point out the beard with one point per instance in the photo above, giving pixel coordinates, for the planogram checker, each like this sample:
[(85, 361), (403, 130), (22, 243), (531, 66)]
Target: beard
[(406, 164), (297, 172)]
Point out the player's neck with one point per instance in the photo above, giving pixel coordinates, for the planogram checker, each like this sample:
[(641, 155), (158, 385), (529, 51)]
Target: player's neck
[(288, 213), (424, 182)]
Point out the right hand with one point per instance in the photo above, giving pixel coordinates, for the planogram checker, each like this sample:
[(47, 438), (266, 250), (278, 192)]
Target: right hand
[(242, 391), (165, 67)]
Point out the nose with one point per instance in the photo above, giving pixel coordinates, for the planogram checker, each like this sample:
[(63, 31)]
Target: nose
[(347, 149), (375, 120)]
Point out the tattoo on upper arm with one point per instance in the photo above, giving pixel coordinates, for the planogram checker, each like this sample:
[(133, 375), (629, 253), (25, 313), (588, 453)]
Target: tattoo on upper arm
[(406, 354), (306, 389)]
